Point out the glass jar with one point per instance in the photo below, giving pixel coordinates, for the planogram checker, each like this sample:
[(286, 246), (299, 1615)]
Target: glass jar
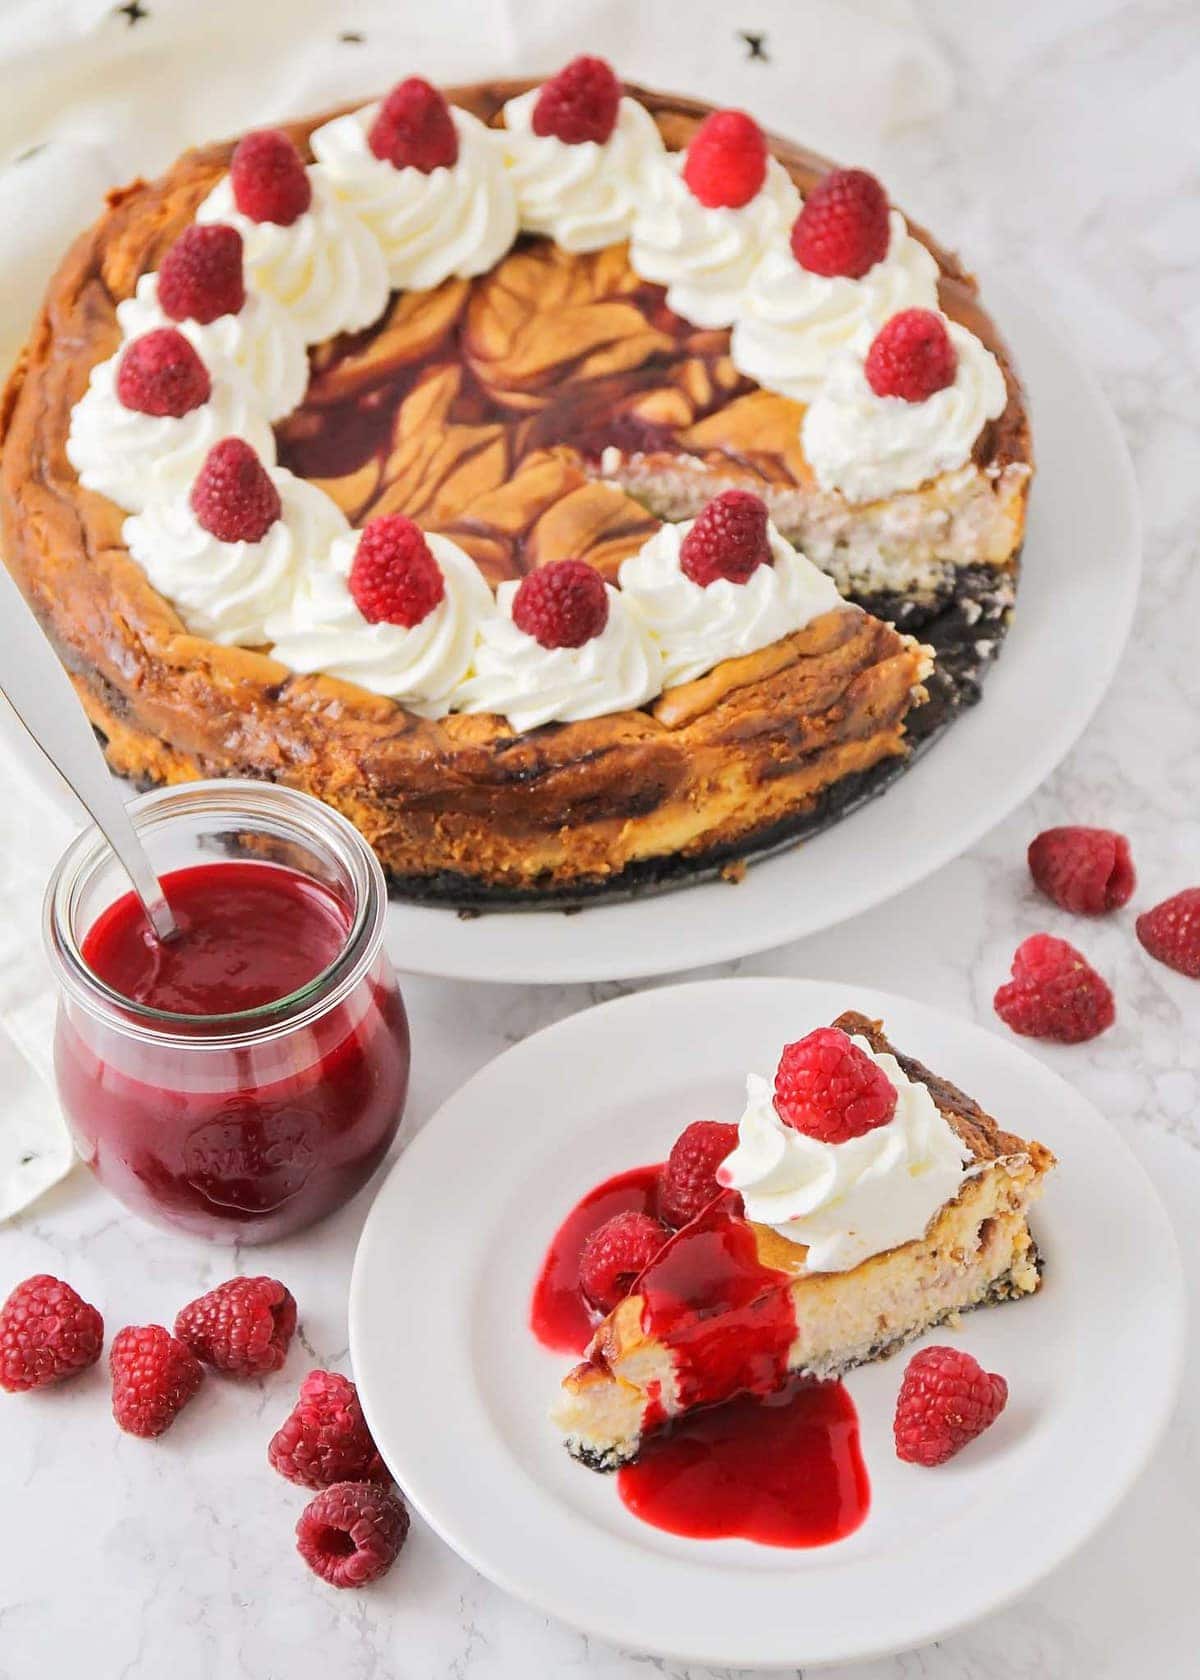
[(241, 1127)]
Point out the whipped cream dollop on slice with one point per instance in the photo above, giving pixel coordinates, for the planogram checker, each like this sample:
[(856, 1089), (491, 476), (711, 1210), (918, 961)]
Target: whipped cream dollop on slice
[(260, 342), (321, 629), (866, 446), (518, 678), (326, 269), (582, 196), (847, 1201), (226, 591), (706, 258), (790, 323), (135, 459), (458, 220), (696, 626)]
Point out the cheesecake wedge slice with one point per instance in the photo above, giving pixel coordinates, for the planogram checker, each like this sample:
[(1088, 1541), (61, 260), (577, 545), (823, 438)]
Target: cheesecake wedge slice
[(730, 1307)]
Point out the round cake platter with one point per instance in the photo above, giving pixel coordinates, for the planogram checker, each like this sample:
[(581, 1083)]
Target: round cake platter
[(1078, 590)]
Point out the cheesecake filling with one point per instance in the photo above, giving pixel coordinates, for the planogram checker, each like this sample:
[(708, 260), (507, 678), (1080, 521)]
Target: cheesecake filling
[(584, 195), (326, 268), (846, 1201), (790, 323)]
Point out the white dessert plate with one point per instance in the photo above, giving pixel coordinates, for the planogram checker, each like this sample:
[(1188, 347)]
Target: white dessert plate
[(1074, 609), (457, 1390)]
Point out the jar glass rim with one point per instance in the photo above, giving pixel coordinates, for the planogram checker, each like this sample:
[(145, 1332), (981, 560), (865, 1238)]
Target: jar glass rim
[(247, 805)]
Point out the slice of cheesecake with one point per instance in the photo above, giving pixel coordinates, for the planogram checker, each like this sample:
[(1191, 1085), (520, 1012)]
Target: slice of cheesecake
[(730, 1307)]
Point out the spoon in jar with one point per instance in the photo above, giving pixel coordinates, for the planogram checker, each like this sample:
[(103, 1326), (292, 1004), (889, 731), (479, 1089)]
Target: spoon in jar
[(44, 702)]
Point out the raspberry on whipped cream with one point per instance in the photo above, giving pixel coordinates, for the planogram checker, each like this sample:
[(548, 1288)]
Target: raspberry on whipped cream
[(454, 219), (321, 628), (325, 269), (867, 446), (705, 256), (515, 676), (582, 194), (846, 1201), (726, 163), (696, 626), (791, 322), (223, 590), (134, 457)]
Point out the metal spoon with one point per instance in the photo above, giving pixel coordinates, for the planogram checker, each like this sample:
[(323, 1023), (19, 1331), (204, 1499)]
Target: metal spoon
[(40, 694)]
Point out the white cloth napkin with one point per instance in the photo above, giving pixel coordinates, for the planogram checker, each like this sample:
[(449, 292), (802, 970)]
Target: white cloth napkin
[(96, 93)]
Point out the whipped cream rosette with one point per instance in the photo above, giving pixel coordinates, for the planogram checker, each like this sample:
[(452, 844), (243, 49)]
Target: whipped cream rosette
[(868, 446), (791, 323), (516, 677), (846, 1201), (582, 194), (325, 269), (696, 626), (706, 257), (136, 458), (322, 629), (260, 342), (225, 590), (457, 219)]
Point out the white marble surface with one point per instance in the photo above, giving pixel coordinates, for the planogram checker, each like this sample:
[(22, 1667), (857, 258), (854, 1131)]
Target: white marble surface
[(1062, 160)]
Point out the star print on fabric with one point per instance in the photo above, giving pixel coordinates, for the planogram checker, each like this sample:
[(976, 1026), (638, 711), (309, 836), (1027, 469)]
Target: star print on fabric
[(757, 44), (134, 12)]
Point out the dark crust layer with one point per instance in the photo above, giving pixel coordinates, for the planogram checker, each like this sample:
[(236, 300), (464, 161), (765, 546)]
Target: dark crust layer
[(447, 805)]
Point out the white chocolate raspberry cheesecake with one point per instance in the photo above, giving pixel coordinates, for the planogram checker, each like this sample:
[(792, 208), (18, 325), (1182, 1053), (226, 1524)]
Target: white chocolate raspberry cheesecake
[(468, 343), (866, 1200)]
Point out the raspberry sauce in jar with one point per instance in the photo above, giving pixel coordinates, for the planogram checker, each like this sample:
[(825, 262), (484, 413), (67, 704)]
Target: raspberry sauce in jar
[(246, 1077)]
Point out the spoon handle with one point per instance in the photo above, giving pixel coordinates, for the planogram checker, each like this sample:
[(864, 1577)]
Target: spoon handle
[(40, 694)]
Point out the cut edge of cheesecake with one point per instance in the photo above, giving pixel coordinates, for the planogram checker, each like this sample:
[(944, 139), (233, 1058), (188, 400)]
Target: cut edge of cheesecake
[(977, 1250)]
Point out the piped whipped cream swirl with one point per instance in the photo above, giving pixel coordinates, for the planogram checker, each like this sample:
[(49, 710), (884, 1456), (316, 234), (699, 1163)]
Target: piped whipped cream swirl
[(325, 269), (791, 323), (868, 446), (135, 459), (706, 258), (697, 626), (227, 591), (847, 1201), (582, 196), (260, 342), (452, 221), (515, 676), (321, 629)]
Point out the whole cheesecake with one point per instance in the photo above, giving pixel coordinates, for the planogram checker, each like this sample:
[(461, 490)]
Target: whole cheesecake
[(556, 404)]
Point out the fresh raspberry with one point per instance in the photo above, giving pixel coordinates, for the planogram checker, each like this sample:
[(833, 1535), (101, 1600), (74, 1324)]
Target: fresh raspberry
[(242, 1327), (1087, 870), (688, 1182), (352, 1533), (561, 605), (843, 227), (325, 1439), (580, 103), (47, 1333), (1054, 993), (728, 540), (726, 163), (234, 497), (268, 177), (201, 275), (154, 1376), (414, 129), (827, 1088), (1171, 932), (946, 1399), (911, 356), (395, 578), (161, 374), (615, 1256)]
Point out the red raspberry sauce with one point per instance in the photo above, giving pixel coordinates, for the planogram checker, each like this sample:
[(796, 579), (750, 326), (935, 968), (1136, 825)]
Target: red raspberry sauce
[(777, 1462)]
